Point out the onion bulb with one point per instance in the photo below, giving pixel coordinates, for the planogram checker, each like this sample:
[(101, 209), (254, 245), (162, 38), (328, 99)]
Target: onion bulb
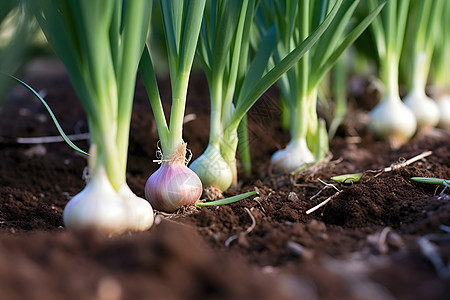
[(173, 185), (293, 157), (140, 212), (99, 205), (443, 103), (392, 120), (424, 108), (212, 169)]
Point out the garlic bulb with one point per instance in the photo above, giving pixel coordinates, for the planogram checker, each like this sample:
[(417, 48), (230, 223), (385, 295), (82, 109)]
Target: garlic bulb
[(293, 157), (212, 169), (173, 186), (424, 108), (392, 120), (443, 103), (99, 205)]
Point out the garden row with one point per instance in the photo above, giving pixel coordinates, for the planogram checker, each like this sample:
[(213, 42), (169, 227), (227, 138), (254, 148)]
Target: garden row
[(244, 47)]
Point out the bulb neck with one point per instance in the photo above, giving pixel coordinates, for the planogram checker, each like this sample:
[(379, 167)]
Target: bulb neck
[(420, 72), (179, 156)]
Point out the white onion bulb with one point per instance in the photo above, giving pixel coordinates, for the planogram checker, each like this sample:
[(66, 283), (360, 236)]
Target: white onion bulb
[(392, 120), (140, 212), (173, 186), (443, 103), (424, 108), (99, 205), (293, 157), (212, 169)]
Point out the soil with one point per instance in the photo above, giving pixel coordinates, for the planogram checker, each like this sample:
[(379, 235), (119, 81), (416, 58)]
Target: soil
[(381, 238)]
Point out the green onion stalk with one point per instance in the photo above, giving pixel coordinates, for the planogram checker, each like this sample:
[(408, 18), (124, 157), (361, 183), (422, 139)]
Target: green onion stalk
[(300, 86), (237, 79), (173, 185), (332, 95), (224, 52), (100, 43), (16, 27), (441, 63), (391, 119), (423, 25), (338, 88)]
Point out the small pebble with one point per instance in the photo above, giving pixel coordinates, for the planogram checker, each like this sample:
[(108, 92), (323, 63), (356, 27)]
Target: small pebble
[(293, 197)]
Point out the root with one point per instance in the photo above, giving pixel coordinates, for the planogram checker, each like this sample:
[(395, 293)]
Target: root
[(212, 193), (379, 240), (179, 156), (311, 210), (326, 186), (249, 229), (311, 171), (402, 163)]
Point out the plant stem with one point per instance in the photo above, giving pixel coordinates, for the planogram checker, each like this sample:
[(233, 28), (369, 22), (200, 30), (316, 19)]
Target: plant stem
[(177, 115), (134, 33), (390, 75), (420, 72), (244, 147), (151, 86), (215, 130), (303, 114), (228, 149)]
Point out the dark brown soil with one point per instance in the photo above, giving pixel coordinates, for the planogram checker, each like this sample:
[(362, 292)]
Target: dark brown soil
[(368, 242)]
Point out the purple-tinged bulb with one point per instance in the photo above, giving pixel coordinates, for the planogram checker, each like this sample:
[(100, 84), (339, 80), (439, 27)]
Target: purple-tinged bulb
[(173, 186)]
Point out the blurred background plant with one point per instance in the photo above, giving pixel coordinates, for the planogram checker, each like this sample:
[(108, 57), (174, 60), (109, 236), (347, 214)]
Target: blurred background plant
[(20, 39), (391, 120), (440, 75), (420, 37), (300, 86)]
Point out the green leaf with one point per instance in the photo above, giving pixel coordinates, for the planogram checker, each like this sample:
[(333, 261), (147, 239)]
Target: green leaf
[(170, 28), (151, 86), (240, 49), (276, 72), (171, 34), (378, 32), (6, 6), (355, 177), (136, 23), (192, 20), (55, 121), (259, 63), (225, 27), (63, 39), (437, 181), (401, 23), (349, 40), (228, 200), (334, 34)]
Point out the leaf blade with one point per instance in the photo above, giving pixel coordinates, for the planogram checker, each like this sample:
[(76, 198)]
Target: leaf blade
[(228, 200), (55, 121)]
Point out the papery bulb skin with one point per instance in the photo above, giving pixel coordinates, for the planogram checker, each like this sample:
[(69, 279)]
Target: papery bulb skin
[(212, 169), (140, 215), (173, 186), (424, 108), (443, 103), (393, 121), (291, 158), (98, 205)]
